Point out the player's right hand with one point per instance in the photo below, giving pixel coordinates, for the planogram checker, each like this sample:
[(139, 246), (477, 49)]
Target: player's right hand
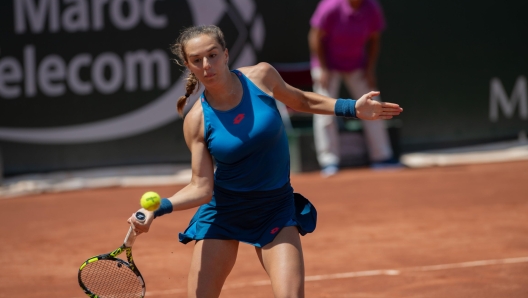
[(141, 227)]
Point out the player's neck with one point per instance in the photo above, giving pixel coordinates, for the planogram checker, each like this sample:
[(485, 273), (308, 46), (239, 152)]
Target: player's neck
[(227, 96)]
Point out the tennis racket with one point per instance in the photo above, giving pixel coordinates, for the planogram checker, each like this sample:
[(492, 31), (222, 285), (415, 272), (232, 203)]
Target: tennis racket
[(106, 276)]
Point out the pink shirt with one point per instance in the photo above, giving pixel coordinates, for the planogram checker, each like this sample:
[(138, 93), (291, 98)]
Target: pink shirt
[(347, 31)]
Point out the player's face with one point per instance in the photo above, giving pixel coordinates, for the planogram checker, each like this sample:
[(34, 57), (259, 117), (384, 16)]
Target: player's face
[(206, 58)]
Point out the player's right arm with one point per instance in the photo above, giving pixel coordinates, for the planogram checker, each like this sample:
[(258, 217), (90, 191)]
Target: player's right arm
[(200, 189)]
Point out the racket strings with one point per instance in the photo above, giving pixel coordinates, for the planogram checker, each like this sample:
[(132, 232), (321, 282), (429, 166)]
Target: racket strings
[(111, 279)]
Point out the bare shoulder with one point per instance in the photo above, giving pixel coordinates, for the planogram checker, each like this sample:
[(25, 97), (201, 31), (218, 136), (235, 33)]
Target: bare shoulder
[(193, 123), (257, 70), (263, 74)]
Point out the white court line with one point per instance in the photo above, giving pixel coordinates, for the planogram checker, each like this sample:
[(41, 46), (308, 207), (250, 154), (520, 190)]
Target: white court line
[(364, 273)]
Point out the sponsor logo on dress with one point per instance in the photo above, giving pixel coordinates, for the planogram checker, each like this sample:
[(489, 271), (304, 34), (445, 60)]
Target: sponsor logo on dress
[(238, 118)]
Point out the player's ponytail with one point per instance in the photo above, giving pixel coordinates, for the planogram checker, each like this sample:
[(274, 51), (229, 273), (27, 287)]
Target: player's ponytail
[(192, 82)]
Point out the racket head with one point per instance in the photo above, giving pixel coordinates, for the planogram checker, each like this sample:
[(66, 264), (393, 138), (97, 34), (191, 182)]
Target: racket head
[(107, 276)]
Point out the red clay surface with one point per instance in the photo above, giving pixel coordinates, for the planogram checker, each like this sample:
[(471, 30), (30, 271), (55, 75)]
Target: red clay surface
[(368, 220)]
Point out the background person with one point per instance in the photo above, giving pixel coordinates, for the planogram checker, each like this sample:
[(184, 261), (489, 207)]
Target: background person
[(248, 198), (344, 42)]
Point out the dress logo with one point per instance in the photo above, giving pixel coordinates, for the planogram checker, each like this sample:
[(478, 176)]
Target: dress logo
[(238, 118), (274, 230)]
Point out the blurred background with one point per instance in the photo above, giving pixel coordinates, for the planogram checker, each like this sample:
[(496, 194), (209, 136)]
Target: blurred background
[(91, 84)]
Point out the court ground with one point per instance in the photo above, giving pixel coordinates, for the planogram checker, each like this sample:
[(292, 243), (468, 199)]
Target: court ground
[(457, 231)]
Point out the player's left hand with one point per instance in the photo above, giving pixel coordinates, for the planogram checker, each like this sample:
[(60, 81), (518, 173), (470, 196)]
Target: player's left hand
[(369, 109)]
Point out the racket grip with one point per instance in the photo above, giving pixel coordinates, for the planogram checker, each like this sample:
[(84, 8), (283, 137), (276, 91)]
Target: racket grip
[(140, 216), (130, 237)]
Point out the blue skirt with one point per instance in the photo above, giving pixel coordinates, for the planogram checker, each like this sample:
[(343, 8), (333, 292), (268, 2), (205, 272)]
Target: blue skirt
[(252, 217)]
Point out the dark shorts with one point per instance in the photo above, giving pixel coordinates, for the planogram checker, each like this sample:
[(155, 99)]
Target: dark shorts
[(251, 217)]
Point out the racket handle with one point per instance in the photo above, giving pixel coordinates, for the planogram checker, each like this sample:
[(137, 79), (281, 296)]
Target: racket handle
[(130, 237), (140, 216)]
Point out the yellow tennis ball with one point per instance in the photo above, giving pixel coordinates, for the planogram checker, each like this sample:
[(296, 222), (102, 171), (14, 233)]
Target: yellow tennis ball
[(150, 201)]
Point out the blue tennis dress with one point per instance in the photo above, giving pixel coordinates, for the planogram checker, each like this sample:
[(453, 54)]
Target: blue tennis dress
[(253, 198)]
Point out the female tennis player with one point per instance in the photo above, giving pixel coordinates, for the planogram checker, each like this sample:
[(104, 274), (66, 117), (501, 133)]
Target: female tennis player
[(249, 197)]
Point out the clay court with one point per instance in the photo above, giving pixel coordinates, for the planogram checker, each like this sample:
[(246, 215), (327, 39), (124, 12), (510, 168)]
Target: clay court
[(458, 231)]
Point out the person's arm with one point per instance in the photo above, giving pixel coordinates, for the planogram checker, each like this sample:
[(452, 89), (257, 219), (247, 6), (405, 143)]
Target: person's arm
[(315, 37), (373, 49), (315, 44), (270, 81), (200, 189)]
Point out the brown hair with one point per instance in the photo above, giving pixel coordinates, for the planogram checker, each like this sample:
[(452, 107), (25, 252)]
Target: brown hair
[(178, 48)]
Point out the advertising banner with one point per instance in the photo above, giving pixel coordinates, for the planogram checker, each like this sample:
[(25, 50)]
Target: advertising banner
[(459, 70), (91, 83)]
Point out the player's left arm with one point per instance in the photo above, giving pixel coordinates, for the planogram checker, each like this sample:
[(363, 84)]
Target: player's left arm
[(269, 80)]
